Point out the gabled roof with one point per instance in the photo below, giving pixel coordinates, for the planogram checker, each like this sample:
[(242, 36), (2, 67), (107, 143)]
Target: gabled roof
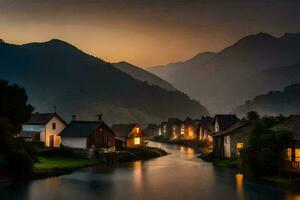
[(174, 121), (226, 121), (82, 128), (122, 130), (232, 129), (292, 123), (43, 118)]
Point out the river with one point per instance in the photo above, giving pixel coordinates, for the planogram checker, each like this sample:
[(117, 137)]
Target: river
[(180, 175)]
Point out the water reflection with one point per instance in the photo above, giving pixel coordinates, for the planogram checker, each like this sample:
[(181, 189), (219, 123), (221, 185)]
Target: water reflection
[(180, 175), (239, 178)]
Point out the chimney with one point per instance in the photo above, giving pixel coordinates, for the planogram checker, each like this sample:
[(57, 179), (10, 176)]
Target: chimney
[(100, 117), (73, 117)]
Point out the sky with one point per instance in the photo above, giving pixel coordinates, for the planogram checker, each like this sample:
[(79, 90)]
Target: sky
[(145, 32)]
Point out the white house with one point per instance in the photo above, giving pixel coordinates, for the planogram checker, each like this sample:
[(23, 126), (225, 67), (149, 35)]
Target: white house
[(44, 127)]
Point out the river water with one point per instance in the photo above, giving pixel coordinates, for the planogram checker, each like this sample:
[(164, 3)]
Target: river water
[(180, 175)]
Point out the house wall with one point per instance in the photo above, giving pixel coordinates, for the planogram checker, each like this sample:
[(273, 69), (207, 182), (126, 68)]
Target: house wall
[(227, 146), (74, 142), (136, 132), (53, 132), (37, 128), (239, 136), (101, 138)]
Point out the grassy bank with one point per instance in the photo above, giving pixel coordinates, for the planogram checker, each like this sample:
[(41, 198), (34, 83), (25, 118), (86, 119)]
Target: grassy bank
[(59, 162)]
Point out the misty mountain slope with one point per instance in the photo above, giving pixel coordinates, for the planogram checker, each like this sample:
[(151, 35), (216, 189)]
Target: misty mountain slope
[(274, 103), (143, 75), (173, 71), (55, 73), (222, 82)]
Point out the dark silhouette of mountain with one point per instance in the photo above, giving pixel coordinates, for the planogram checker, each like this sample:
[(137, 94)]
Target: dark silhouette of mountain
[(143, 75), (274, 102), (233, 75), (55, 73)]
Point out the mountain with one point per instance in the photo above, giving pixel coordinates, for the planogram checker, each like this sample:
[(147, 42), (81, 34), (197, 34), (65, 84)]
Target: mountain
[(55, 73), (274, 102), (229, 77), (173, 71), (143, 75)]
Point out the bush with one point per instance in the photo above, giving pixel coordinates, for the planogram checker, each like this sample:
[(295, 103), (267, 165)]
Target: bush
[(20, 164)]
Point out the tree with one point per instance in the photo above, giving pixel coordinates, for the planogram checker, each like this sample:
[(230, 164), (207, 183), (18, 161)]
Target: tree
[(13, 105), (263, 155), (15, 151), (252, 115)]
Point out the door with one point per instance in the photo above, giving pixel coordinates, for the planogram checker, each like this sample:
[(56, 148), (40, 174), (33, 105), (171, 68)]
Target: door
[(51, 141)]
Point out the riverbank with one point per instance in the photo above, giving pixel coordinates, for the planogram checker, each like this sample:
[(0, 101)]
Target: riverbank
[(57, 162)]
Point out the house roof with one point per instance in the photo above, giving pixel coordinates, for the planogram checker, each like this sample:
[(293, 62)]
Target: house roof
[(82, 128), (43, 118), (292, 123), (28, 134), (232, 129), (122, 130), (226, 121)]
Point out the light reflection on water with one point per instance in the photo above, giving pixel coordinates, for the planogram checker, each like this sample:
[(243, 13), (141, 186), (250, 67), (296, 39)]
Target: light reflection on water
[(180, 175)]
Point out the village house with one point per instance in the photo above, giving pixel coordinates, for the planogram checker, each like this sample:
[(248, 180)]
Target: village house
[(150, 131), (229, 142), (205, 128), (176, 129), (128, 135), (292, 153), (88, 135), (220, 124), (43, 127)]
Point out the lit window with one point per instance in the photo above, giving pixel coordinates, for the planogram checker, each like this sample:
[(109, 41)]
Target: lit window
[(240, 146), (182, 130), (289, 154), (159, 131), (137, 130), (297, 155), (54, 126), (137, 141)]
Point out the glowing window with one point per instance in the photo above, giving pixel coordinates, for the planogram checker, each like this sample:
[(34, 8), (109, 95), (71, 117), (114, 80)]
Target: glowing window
[(159, 131), (297, 155), (137, 129), (289, 154), (240, 146), (182, 130), (137, 141)]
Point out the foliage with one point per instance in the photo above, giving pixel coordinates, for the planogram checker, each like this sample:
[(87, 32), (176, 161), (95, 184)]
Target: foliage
[(13, 104), (252, 115), (263, 156)]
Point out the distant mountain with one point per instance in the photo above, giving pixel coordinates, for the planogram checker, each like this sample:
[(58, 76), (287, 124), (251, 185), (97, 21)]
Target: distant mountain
[(143, 75), (274, 102), (55, 73), (232, 76), (174, 72)]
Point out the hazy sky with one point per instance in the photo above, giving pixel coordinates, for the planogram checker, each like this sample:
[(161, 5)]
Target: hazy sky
[(145, 32)]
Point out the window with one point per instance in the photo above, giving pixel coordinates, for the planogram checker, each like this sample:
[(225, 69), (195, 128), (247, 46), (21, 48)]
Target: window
[(288, 155), (137, 129), (182, 130), (297, 155), (159, 131), (53, 126), (137, 141), (240, 146)]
